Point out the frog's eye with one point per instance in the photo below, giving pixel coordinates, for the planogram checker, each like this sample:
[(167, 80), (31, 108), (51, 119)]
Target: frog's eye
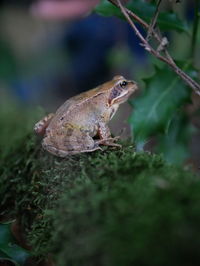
[(123, 84)]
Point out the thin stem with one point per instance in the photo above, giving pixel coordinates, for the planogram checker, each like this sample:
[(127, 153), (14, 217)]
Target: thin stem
[(195, 27), (154, 20)]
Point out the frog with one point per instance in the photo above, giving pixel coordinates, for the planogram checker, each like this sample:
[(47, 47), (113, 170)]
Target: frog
[(81, 123)]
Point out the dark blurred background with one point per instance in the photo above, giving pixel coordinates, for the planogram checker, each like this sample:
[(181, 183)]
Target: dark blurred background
[(51, 50)]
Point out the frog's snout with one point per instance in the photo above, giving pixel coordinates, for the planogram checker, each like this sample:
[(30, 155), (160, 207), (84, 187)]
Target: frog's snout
[(133, 82), (134, 85)]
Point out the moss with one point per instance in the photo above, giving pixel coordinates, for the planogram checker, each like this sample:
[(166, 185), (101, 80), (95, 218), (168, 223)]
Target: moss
[(126, 208), (115, 207)]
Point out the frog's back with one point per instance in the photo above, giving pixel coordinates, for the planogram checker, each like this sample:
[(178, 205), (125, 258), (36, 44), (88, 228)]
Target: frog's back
[(72, 102), (74, 105)]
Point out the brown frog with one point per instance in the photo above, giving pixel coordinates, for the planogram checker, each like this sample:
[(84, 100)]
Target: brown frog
[(72, 128)]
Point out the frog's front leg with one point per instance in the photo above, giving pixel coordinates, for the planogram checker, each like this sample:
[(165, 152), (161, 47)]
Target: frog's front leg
[(105, 136), (40, 127)]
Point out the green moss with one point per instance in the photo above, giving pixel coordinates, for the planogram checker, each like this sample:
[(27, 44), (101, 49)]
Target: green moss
[(115, 207), (127, 209)]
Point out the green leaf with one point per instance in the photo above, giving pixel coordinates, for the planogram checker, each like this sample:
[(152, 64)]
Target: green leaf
[(145, 10), (154, 109), (107, 9), (174, 144), (9, 250)]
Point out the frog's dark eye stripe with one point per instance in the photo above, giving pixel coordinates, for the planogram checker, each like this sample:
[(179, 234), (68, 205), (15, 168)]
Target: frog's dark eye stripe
[(123, 84), (114, 93)]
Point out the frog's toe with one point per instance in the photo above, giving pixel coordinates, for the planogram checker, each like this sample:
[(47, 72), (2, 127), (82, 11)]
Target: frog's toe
[(109, 142), (114, 145), (97, 147), (116, 138)]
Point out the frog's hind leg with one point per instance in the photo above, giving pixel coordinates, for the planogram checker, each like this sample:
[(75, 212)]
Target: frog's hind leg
[(70, 142), (40, 127)]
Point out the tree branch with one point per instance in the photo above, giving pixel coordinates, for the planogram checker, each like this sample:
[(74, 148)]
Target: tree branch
[(166, 57)]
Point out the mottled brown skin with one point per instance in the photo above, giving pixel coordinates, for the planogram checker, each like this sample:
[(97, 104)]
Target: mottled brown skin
[(72, 128)]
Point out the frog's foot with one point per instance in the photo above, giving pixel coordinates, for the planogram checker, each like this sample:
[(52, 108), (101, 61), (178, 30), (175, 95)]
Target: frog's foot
[(40, 127), (109, 142)]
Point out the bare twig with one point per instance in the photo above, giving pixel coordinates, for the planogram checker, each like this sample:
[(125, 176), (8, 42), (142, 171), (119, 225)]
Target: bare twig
[(153, 21), (166, 57)]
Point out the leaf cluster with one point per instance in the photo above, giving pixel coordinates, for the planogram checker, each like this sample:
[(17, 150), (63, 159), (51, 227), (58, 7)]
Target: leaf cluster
[(159, 110), (166, 20)]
